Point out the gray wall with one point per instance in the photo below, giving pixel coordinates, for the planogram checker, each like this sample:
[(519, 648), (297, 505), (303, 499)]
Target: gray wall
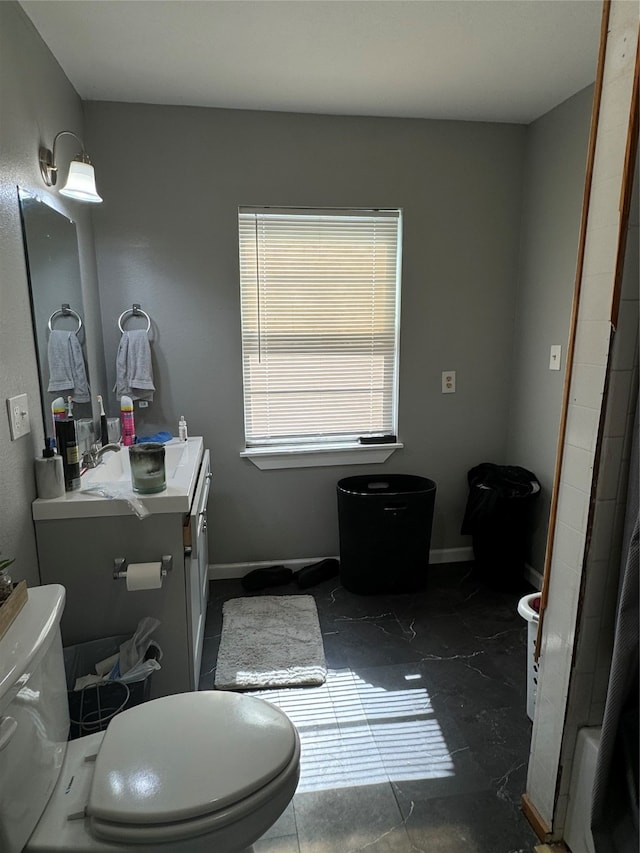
[(166, 236), (36, 101), (555, 160), (172, 180)]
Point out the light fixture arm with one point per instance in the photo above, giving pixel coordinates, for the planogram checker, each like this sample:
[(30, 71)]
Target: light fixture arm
[(48, 166)]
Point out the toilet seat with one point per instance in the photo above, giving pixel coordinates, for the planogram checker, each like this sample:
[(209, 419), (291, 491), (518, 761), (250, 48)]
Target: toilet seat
[(187, 764)]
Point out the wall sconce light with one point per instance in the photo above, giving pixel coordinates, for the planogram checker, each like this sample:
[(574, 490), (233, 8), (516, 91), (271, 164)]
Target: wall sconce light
[(81, 180)]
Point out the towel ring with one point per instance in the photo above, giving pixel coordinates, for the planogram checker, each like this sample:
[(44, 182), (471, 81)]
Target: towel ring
[(65, 311), (135, 311)]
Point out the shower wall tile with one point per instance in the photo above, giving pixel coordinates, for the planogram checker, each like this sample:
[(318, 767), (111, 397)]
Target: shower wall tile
[(596, 573), (582, 427), (595, 298), (577, 468), (568, 548), (573, 506), (601, 243), (624, 346), (592, 342), (631, 275), (588, 635), (587, 385), (603, 526), (581, 692), (618, 402), (563, 599), (610, 468), (609, 165)]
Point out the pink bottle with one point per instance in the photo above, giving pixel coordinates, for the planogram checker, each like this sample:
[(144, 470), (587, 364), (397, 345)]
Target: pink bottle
[(128, 427)]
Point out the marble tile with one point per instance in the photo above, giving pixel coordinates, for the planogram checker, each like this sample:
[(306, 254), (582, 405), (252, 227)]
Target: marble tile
[(350, 819), (473, 823), (284, 827), (282, 844), (419, 739)]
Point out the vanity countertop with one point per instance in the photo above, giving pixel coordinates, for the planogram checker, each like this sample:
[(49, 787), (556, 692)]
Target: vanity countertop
[(114, 474)]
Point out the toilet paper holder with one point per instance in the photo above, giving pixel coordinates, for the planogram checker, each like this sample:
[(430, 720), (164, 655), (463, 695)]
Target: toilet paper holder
[(120, 565)]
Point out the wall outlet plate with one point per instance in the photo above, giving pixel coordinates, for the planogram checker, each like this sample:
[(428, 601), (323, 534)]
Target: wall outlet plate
[(448, 382), (18, 411)]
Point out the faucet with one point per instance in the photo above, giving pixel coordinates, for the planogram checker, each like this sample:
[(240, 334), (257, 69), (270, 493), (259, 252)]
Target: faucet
[(92, 458)]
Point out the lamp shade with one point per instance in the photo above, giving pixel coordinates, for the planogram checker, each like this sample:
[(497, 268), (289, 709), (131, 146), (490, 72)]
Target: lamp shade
[(81, 183)]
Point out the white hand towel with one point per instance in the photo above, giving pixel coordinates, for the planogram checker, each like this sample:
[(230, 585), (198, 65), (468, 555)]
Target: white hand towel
[(66, 365), (134, 374)]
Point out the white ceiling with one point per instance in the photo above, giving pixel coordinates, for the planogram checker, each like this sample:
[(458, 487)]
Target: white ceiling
[(479, 60)]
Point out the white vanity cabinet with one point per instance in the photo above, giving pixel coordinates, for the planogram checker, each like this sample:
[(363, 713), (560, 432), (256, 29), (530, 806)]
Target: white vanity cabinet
[(80, 540)]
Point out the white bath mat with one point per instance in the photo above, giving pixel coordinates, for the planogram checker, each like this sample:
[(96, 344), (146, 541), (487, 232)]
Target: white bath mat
[(270, 641)]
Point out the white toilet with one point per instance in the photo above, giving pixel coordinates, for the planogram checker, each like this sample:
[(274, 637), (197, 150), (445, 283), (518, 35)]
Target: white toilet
[(208, 771)]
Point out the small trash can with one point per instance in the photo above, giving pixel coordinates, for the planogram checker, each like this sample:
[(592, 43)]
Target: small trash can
[(92, 708), (498, 517), (528, 611), (385, 532)]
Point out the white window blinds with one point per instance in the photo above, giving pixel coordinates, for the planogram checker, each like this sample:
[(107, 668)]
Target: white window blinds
[(320, 313)]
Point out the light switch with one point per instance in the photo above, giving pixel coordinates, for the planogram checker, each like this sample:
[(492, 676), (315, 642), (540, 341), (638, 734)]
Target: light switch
[(448, 382), (18, 411), (555, 357)]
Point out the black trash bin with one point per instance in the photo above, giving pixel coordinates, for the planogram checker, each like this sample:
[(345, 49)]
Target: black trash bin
[(498, 517), (385, 532)]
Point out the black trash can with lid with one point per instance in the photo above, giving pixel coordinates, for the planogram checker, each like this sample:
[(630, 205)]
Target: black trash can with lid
[(498, 517), (385, 532)]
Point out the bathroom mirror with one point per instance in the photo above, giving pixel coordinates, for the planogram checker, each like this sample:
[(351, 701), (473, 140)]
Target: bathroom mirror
[(53, 268)]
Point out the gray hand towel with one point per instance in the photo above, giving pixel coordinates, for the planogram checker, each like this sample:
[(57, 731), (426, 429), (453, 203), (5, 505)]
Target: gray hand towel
[(66, 365), (134, 374)]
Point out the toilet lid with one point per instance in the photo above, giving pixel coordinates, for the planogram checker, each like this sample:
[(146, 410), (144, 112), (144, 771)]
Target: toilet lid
[(186, 756)]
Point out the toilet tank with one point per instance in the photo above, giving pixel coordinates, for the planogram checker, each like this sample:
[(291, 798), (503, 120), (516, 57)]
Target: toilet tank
[(34, 714)]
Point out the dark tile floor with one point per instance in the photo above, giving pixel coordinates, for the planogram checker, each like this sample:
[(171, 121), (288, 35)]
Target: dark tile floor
[(419, 739)]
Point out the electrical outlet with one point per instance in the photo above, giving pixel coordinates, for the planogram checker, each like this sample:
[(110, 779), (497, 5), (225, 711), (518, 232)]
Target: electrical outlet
[(18, 411), (449, 382)]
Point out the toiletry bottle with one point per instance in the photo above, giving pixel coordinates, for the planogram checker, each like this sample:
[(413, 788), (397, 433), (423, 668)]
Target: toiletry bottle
[(58, 413), (49, 473), (182, 429), (68, 450), (127, 422)]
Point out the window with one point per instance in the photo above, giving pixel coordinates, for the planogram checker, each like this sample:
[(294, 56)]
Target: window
[(320, 295)]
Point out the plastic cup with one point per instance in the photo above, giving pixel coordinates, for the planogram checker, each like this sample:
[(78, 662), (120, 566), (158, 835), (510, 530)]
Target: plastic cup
[(113, 430), (147, 468)]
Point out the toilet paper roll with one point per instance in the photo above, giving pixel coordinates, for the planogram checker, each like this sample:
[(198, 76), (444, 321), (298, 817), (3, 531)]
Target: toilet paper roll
[(144, 576)]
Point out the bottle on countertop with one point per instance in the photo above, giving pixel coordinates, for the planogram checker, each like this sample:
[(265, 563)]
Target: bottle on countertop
[(49, 473), (127, 422), (67, 443), (183, 434), (58, 413)]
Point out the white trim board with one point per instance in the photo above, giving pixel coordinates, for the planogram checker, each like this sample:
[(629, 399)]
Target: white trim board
[(224, 571)]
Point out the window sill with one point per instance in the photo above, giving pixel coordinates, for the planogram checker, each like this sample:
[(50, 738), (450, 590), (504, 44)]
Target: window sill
[(317, 455)]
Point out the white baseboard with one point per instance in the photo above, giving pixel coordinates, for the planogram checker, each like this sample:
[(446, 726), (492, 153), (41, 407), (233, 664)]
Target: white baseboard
[(225, 571)]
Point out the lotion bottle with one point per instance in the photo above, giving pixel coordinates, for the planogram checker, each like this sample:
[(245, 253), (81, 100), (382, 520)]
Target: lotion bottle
[(183, 434), (128, 427), (49, 473)]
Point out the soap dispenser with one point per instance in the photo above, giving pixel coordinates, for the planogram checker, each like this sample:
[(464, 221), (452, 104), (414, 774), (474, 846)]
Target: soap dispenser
[(182, 429), (49, 473)]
